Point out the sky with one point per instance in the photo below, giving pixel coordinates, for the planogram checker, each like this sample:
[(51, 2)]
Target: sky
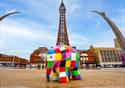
[(37, 24)]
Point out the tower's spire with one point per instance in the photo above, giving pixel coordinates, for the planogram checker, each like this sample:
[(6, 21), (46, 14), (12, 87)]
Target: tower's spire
[(62, 5)]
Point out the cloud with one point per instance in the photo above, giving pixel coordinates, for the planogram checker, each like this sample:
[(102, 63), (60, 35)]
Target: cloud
[(12, 27), (10, 11), (24, 38), (3, 45), (16, 31), (121, 23), (105, 39), (80, 41), (74, 8)]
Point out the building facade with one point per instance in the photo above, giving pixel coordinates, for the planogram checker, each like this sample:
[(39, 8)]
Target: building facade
[(38, 57), (12, 61), (87, 59), (107, 57)]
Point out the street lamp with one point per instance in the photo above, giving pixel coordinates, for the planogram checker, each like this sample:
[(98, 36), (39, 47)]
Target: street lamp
[(8, 14), (116, 31)]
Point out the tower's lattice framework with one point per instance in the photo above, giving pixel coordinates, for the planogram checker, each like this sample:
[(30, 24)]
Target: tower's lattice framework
[(62, 38)]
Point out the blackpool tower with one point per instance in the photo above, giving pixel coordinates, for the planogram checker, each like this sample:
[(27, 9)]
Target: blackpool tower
[(62, 38)]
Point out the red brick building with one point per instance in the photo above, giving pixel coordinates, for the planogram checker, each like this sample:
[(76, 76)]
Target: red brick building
[(87, 58), (38, 56)]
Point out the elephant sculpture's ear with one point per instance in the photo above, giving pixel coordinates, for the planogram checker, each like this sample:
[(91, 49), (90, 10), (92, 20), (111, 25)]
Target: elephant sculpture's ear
[(50, 57)]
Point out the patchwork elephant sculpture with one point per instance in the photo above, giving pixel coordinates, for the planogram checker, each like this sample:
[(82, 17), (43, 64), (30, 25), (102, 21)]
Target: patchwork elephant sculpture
[(63, 61)]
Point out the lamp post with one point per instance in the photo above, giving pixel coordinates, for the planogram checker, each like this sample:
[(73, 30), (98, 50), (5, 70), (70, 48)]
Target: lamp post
[(1, 18), (116, 31), (8, 14)]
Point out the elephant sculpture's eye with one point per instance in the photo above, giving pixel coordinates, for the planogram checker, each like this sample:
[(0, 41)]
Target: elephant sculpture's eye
[(50, 56)]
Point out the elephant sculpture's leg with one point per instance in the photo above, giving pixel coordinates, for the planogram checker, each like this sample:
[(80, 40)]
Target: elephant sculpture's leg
[(55, 75), (48, 71), (75, 74), (63, 72), (63, 77), (69, 76)]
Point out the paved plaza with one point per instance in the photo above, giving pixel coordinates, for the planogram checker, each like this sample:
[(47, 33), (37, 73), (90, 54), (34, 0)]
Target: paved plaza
[(26, 78)]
